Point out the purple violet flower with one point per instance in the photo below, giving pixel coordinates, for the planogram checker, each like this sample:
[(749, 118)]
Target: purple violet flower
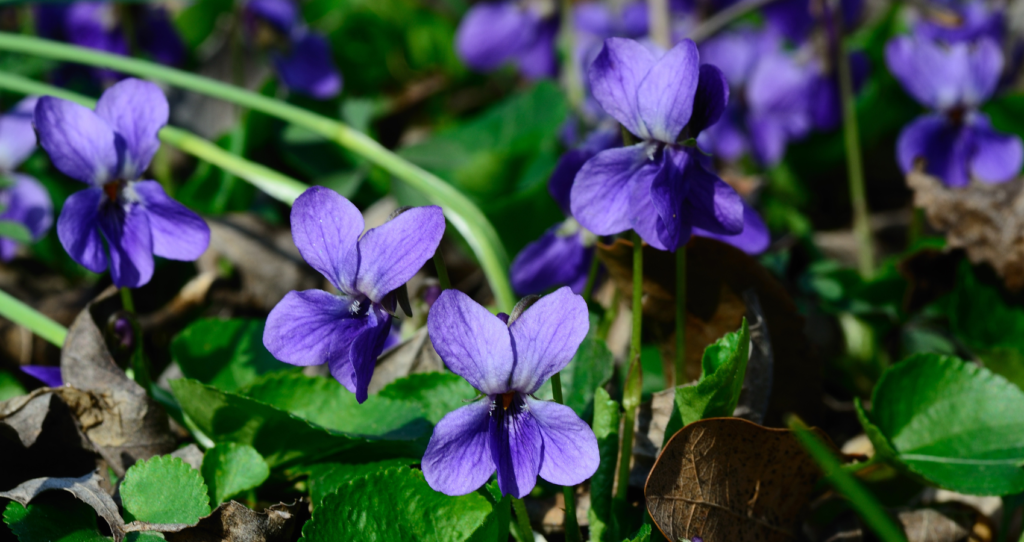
[(507, 359), (561, 257), (24, 200), (495, 33), (348, 331), (956, 141), (658, 187), (109, 149), (48, 375), (968, 22), (98, 25), (302, 57)]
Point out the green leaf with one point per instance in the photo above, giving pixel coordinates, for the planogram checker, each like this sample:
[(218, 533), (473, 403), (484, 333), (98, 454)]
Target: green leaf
[(325, 402), (1007, 113), (591, 368), (164, 489), (16, 231), (643, 536), (53, 517), (989, 320), (399, 505), (717, 392), (230, 469), (436, 394), (226, 354), (957, 425), (603, 524), (326, 478), (9, 386), (280, 437)]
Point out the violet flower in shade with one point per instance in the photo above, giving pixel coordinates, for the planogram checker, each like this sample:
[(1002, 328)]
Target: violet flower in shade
[(49, 376), (956, 141), (99, 25), (348, 331), (493, 34), (301, 57), (24, 200), (657, 187), (507, 359), (794, 19), (967, 22), (120, 221)]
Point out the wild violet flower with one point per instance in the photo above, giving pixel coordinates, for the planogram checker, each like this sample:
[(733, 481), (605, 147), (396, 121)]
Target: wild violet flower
[(302, 57), (956, 141), (966, 22), (22, 198), (658, 187), (795, 19), (100, 25), (48, 375), (507, 359), (348, 330), (521, 32), (120, 221)]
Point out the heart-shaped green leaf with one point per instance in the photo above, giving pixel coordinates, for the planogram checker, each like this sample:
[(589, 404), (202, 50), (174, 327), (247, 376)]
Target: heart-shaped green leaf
[(164, 489), (230, 468)]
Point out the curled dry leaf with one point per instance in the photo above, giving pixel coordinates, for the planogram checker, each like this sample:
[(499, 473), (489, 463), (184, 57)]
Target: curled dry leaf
[(233, 522), (86, 489), (727, 479), (986, 220), (717, 277)]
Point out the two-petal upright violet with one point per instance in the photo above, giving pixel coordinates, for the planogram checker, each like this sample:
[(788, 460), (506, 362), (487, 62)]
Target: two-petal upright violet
[(508, 431), (120, 221), (660, 187), (956, 142), (301, 56), (22, 198), (348, 330), (493, 34)]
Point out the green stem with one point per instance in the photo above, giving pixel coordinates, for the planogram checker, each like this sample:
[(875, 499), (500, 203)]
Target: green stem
[(595, 265), (680, 365), (126, 300), (274, 184), (522, 520), (916, 230), (572, 526), (609, 317), (634, 378), (442, 270), (570, 74), (854, 164), (859, 498), (478, 232), (23, 315)]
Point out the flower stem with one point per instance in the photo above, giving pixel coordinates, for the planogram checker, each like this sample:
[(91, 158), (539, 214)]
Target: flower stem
[(466, 217), (126, 301), (570, 72), (442, 270), (854, 164), (36, 322), (680, 368), (659, 21), (572, 526), (595, 264), (522, 520), (634, 378)]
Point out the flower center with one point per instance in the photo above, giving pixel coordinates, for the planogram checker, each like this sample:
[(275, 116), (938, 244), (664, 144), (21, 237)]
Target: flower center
[(506, 399), (112, 189), (957, 115)]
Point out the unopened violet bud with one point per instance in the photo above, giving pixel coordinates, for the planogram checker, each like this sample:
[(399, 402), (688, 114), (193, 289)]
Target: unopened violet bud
[(431, 293), (124, 333)]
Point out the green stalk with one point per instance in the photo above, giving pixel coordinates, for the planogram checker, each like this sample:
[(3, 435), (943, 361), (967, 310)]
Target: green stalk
[(634, 378), (274, 184), (23, 315), (459, 210), (572, 526), (859, 498), (570, 75), (660, 23), (522, 520), (442, 270), (126, 300), (595, 264), (854, 164), (680, 368)]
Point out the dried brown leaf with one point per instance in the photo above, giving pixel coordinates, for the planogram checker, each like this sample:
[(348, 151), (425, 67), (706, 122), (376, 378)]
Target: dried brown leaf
[(86, 489), (727, 479), (234, 522), (414, 355), (986, 220), (717, 277)]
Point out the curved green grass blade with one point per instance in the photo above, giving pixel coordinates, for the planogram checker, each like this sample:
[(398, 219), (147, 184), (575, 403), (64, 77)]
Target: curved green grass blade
[(458, 209), (35, 321)]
